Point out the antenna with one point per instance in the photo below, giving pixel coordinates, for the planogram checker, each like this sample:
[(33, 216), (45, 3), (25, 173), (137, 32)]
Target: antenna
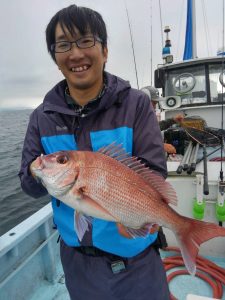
[(167, 57), (132, 44)]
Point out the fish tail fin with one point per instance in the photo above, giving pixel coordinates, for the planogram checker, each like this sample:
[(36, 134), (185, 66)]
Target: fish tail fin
[(190, 235)]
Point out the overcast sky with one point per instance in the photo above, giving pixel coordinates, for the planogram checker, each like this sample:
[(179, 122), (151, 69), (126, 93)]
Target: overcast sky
[(27, 71)]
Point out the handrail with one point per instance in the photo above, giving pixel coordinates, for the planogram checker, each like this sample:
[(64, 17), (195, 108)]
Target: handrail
[(51, 274), (11, 238)]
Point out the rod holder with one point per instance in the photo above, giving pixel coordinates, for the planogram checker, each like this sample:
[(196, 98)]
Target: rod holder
[(220, 205), (199, 203)]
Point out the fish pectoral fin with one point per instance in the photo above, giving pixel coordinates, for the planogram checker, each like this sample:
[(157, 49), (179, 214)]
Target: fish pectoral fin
[(81, 224), (137, 232)]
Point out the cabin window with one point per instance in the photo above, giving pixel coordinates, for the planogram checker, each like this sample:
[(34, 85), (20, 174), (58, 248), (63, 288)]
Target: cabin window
[(188, 83), (217, 82)]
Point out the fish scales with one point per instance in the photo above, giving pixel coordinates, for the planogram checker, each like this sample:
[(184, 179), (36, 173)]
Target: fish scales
[(120, 190)]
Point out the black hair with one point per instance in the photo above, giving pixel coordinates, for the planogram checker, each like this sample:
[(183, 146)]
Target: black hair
[(83, 18)]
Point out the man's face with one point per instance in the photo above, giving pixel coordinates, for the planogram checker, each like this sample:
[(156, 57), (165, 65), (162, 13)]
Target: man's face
[(82, 68)]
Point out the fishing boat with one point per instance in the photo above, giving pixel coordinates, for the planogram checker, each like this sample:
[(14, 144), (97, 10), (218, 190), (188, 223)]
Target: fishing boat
[(29, 252), (194, 87)]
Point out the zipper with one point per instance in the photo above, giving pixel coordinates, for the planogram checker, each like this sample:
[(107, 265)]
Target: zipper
[(76, 128)]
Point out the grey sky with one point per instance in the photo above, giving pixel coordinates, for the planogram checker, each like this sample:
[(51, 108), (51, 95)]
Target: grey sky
[(27, 71)]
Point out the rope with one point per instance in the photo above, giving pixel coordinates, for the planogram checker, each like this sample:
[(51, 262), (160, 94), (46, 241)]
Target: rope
[(206, 27), (180, 27), (206, 270)]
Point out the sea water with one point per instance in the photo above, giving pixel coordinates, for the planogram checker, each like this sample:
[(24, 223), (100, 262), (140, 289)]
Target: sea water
[(15, 205)]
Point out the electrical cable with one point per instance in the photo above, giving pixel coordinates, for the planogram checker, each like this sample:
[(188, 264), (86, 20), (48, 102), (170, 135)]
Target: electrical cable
[(206, 270)]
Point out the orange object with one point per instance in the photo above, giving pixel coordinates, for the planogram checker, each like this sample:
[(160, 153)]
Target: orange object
[(209, 272)]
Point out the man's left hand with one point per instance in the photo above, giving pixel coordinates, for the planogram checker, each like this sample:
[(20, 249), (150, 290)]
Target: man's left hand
[(170, 149)]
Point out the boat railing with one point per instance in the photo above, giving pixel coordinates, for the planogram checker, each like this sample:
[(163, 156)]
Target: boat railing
[(29, 249)]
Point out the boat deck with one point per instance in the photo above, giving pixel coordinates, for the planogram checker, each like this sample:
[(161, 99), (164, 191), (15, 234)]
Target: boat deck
[(52, 291), (31, 268), (182, 287)]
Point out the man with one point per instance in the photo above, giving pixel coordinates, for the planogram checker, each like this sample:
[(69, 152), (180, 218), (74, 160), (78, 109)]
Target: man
[(153, 94), (88, 110)]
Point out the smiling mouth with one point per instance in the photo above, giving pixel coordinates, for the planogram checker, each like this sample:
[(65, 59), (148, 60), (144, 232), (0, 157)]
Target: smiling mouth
[(80, 69)]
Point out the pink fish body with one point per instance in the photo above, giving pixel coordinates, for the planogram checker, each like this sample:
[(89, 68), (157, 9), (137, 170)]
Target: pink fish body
[(114, 187)]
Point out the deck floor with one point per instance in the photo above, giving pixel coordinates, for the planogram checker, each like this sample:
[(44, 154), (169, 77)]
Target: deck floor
[(50, 291), (181, 286)]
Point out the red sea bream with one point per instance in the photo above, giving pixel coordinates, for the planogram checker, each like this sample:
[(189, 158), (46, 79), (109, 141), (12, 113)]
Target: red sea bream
[(112, 186)]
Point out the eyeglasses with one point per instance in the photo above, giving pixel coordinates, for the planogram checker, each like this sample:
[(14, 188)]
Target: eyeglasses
[(82, 43)]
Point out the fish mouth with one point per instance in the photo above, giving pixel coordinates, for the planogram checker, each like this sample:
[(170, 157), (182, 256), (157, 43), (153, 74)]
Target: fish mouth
[(37, 164), (61, 179)]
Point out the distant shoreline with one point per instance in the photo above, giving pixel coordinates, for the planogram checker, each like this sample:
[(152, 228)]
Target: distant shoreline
[(15, 108)]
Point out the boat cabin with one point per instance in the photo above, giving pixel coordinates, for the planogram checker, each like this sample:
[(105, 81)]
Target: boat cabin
[(193, 87)]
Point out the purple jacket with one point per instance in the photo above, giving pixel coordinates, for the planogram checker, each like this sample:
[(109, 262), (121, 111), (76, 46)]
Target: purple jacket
[(124, 115)]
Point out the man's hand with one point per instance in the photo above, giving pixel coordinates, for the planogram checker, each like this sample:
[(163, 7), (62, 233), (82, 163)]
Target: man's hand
[(169, 148), (154, 228), (31, 169)]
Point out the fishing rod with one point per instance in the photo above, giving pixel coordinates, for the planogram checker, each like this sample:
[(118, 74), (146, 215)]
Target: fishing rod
[(132, 43), (151, 42), (221, 183), (222, 115)]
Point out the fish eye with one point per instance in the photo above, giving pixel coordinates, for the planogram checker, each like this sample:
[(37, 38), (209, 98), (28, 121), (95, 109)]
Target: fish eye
[(62, 159)]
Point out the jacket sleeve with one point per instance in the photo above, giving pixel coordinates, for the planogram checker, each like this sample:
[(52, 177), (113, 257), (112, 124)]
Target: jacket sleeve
[(32, 148), (148, 143)]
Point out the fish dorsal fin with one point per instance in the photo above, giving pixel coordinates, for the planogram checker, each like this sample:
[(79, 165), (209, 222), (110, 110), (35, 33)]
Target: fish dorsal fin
[(152, 178), (115, 151), (163, 187)]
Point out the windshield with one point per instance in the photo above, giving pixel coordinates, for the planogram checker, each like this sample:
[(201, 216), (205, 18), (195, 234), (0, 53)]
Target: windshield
[(217, 83), (189, 83)]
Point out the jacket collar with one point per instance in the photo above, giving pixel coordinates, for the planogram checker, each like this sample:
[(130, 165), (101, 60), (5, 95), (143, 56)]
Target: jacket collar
[(55, 99)]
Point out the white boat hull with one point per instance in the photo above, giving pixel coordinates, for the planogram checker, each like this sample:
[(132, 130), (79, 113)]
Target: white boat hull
[(185, 186)]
